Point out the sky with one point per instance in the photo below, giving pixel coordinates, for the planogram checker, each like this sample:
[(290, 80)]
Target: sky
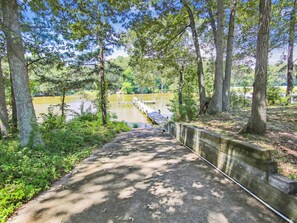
[(277, 54), (273, 59), (118, 52)]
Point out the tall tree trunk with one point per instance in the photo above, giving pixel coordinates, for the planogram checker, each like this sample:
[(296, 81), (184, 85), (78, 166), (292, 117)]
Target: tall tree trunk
[(63, 102), (102, 83), (3, 108), (180, 87), (257, 122), (229, 54), (25, 112), (216, 103), (200, 74), (14, 118), (290, 65)]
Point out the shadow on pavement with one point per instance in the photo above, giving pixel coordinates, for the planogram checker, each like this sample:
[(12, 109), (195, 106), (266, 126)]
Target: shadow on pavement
[(144, 176)]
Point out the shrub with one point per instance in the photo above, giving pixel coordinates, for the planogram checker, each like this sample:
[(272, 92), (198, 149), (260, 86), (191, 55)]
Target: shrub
[(273, 95), (185, 112), (24, 172), (238, 100)]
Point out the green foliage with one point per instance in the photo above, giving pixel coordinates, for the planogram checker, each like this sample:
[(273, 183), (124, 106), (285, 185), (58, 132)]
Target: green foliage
[(52, 121), (274, 97), (24, 172), (238, 101), (127, 88), (185, 112)]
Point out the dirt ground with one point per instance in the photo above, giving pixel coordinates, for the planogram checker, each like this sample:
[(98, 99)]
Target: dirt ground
[(281, 133), (144, 176)]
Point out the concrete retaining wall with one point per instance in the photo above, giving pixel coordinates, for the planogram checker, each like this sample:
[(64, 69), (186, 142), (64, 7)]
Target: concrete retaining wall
[(248, 164)]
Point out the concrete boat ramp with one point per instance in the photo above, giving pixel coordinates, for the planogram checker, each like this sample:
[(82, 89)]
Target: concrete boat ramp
[(144, 176)]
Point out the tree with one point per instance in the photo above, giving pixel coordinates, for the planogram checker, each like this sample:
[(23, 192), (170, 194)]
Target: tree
[(290, 63), (14, 117), (4, 126), (62, 79), (180, 86), (229, 55), (90, 25), (103, 96), (3, 109), (200, 74), (159, 30), (25, 112), (216, 103), (258, 119)]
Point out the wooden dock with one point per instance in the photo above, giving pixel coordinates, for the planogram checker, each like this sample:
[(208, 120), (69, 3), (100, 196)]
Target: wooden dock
[(155, 116)]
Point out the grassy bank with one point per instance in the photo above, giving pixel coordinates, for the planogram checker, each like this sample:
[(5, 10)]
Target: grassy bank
[(281, 133), (25, 172)]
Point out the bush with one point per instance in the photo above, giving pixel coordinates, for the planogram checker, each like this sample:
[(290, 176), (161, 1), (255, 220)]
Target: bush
[(185, 112), (274, 97), (24, 172), (238, 100), (52, 121)]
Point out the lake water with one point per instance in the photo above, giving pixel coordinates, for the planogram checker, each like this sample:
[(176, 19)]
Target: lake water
[(119, 104)]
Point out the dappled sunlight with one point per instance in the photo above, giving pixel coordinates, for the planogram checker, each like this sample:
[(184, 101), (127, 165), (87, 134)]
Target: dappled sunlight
[(217, 194), (214, 217), (127, 192), (198, 198), (197, 185), (151, 179), (169, 195)]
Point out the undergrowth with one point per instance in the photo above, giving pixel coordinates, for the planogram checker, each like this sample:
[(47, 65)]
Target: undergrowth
[(25, 172)]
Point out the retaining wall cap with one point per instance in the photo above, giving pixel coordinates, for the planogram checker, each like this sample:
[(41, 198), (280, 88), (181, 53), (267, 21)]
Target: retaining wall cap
[(283, 183), (230, 140)]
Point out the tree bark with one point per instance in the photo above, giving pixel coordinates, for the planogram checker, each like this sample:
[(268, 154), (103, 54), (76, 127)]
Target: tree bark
[(63, 102), (14, 118), (257, 122), (103, 103), (216, 103), (200, 74), (180, 87), (4, 126), (229, 54), (290, 64), (25, 112)]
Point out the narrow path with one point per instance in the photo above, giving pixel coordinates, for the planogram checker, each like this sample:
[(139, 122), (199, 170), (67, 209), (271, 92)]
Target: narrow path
[(144, 176)]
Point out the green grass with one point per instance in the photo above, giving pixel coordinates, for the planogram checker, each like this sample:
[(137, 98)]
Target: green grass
[(25, 172)]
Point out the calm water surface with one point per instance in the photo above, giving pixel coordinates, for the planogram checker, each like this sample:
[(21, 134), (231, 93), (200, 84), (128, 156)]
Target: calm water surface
[(119, 104)]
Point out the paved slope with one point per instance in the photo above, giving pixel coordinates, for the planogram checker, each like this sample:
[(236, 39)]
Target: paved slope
[(144, 176)]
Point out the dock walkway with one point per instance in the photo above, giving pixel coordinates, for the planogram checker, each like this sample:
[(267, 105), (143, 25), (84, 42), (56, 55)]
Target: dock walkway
[(155, 116)]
